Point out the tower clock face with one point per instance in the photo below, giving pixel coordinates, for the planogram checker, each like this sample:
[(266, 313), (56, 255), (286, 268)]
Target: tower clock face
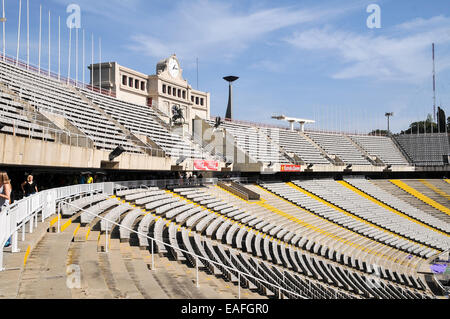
[(174, 68)]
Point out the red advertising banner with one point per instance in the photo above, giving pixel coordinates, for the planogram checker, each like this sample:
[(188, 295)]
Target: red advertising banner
[(291, 168), (202, 165)]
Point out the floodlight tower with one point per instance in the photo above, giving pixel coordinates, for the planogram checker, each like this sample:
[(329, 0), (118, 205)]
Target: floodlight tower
[(388, 115), (230, 80)]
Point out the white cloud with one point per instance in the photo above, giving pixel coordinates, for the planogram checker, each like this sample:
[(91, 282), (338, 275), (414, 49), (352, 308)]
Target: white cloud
[(422, 23), (215, 28), (405, 57), (113, 9)]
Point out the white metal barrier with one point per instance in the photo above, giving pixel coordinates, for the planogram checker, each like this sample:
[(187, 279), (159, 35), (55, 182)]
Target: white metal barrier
[(240, 273), (16, 216)]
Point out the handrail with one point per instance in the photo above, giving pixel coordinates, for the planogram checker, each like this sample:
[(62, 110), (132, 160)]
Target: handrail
[(58, 77), (15, 216), (197, 257)]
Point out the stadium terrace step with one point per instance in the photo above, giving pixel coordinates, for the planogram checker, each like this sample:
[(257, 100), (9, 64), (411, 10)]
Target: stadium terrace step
[(15, 263), (405, 187), (398, 204), (408, 198), (45, 273), (429, 190), (272, 252)]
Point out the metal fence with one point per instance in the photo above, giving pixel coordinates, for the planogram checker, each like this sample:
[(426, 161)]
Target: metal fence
[(15, 217)]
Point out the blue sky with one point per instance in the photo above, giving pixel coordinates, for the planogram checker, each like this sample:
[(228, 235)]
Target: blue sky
[(307, 59)]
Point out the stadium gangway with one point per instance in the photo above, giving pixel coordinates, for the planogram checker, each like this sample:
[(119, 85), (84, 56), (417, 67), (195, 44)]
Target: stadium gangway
[(14, 217), (196, 257)]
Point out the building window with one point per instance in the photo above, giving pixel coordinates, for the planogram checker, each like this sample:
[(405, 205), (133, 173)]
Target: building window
[(130, 82), (174, 91), (143, 86), (196, 100), (201, 101), (179, 93), (136, 84), (124, 79), (164, 88), (169, 90), (192, 98), (184, 95)]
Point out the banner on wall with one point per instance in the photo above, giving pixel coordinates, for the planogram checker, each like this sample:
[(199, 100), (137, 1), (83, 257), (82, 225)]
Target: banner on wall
[(202, 165), (291, 168)]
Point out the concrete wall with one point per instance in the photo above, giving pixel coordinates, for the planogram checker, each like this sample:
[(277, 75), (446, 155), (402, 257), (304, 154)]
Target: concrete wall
[(23, 151)]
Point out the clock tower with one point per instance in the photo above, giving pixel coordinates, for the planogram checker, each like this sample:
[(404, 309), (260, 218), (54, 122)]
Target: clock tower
[(165, 91), (168, 90)]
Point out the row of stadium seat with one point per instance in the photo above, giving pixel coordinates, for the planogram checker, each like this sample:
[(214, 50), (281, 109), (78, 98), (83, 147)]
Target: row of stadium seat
[(14, 120), (312, 148), (340, 146), (262, 144), (397, 203), (425, 149), (368, 215), (52, 96), (234, 233), (142, 120), (382, 147), (294, 142), (254, 143)]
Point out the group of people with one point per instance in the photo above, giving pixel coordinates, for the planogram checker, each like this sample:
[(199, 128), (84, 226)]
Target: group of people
[(187, 178), (29, 187)]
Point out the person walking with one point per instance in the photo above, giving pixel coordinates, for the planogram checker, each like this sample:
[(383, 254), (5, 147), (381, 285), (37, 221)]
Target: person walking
[(90, 180), (5, 195), (29, 187)]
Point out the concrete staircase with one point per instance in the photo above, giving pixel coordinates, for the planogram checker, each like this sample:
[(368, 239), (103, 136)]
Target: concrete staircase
[(73, 265)]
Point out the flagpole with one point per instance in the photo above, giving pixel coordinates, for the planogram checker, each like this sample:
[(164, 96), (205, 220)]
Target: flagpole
[(59, 48), (70, 51), (84, 59), (76, 56), (18, 34), (100, 64), (4, 32), (92, 62), (40, 38), (49, 44), (28, 34)]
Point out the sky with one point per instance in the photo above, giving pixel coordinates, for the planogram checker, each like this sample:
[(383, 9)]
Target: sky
[(304, 58)]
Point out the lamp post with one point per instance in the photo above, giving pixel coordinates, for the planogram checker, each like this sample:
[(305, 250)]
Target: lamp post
[(230, 80), (388, 115)]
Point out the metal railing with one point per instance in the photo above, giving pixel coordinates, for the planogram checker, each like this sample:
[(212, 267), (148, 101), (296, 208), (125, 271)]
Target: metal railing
[(14, 218), (240, 273), (42, 131), (45, 73)]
